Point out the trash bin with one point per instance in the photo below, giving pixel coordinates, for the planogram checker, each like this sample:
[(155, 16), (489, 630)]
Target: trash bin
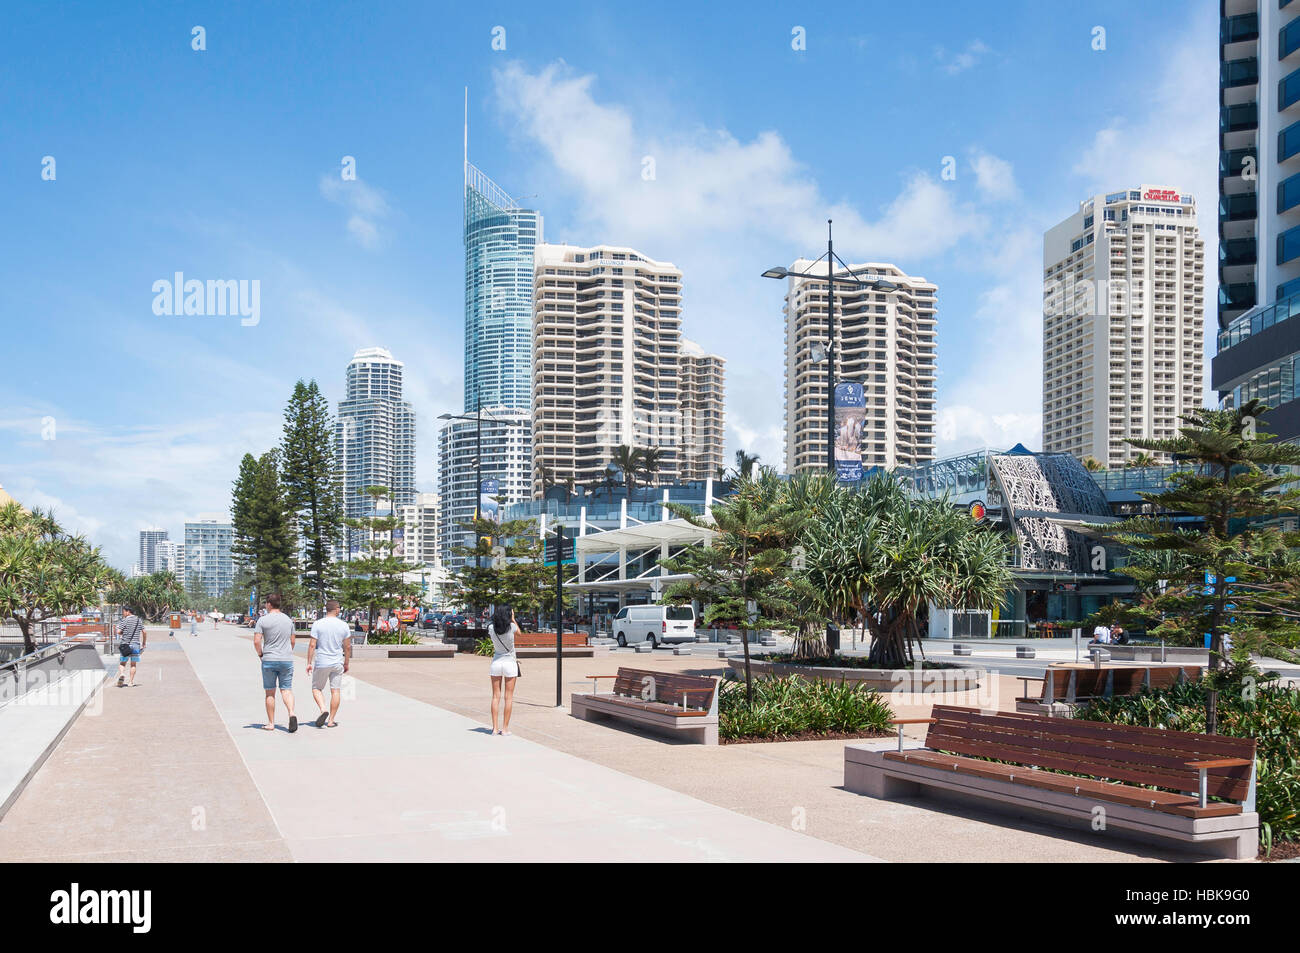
[(176, 620), (832, 638)]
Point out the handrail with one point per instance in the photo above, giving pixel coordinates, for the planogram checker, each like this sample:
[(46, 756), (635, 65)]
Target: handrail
[(61, 646)]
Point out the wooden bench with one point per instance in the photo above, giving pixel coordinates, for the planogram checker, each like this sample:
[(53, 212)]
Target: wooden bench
[(1123, 764), (1063, 688), (667, 701)]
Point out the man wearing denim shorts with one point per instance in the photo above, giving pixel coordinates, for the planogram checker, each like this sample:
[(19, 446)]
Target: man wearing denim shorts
[(131, 638), (328, 655), (273, 638)]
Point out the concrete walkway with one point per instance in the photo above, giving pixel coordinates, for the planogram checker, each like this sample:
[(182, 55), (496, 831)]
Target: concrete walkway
[(400, 779), (144, 774)]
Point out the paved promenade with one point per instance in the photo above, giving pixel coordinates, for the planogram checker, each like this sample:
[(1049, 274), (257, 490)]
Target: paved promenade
[(180, 769), (399, 779)]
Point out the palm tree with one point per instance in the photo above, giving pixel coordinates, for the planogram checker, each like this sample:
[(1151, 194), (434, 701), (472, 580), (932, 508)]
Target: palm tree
[(1143, 459), (628, 459), (651, 461), (1092, 464), (744, 468)]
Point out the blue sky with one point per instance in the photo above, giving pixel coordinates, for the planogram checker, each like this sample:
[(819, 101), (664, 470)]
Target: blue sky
[(224, 164)]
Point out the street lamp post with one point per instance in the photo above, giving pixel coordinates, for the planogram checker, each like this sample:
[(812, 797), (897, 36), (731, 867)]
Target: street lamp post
[(877, 284), (478, 466)]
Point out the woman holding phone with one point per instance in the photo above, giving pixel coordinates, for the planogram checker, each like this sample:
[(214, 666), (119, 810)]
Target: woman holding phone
[(505, 667)]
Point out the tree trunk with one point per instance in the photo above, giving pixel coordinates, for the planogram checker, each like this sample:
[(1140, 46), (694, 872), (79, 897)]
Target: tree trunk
[(25, 626)]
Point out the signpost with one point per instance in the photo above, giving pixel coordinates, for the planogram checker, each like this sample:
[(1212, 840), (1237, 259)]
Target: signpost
[(559, 615)]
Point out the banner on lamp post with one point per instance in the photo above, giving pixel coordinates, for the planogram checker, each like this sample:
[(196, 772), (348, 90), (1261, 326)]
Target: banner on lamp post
[(850, 416), (487, 502)]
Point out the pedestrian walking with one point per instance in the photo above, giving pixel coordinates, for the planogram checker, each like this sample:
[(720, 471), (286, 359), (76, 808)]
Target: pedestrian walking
[(131, 639), (273, 638), (194, 623), (329, 655), (505, 666)]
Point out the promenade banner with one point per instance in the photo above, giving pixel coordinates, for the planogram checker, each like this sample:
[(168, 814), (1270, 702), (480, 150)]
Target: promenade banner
[(487, 504), (850, 416)]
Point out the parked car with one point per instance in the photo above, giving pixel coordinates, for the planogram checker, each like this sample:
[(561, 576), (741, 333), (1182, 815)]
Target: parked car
[(657, 624)]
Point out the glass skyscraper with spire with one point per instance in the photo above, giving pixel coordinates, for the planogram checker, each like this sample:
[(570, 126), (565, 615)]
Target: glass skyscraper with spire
[(500, 239)]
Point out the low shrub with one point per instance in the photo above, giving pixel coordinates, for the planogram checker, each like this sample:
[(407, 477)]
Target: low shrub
[(484, 646), (1247, 709), (791, 706)]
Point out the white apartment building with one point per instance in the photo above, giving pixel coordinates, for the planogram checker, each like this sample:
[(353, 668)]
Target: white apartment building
[(611, 368), (1123, 322), (171, 558), (885, 340), (148, 563), (507, 439), (702, 395), (419, 546), (208, 540), (375, 433)]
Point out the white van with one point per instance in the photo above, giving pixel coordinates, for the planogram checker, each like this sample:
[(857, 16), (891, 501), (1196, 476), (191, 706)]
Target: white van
[(656, 624)]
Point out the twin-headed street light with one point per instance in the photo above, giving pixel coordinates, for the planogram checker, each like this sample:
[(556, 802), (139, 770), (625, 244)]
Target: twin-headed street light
[(826, 352)]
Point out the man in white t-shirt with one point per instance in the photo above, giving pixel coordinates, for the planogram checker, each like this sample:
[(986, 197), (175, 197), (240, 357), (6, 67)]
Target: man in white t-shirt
[(329, 654), (1101, 634)]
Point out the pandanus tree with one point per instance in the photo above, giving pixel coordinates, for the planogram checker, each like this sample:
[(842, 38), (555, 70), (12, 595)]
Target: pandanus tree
[(884, 556), (45, 572)]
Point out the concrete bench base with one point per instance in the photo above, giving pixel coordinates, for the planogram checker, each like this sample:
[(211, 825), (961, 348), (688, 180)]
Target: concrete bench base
[(422, 651), (1053, 710), (1025, 651), (702, 729), (869, 772), (683, 650)]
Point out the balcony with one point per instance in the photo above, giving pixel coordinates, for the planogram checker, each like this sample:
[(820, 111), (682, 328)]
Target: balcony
[(1239, 73)]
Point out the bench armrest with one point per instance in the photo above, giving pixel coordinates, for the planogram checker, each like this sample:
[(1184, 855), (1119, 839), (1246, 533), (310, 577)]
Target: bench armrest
[(1204, 766), (1031, 678), (600, 676), (1219, 763), (912, 721)]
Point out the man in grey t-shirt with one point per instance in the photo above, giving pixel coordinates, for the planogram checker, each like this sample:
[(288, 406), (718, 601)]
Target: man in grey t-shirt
[(329, 653), (274, 639)]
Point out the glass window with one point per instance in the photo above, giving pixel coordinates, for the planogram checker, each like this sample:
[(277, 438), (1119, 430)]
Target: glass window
[(680, 613), (1288, 39), (1288, 245), (1288, 90)]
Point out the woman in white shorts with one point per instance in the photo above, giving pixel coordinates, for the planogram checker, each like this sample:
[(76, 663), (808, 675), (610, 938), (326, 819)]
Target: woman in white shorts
[(505, 667)]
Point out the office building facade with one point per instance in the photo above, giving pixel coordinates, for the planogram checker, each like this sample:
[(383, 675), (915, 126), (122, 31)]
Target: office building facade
[(885, 340), (375, 434), (1259, 209), (611, 368), (1123, 323)]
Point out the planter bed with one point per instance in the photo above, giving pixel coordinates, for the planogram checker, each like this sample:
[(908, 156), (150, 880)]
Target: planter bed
[(881, 679)]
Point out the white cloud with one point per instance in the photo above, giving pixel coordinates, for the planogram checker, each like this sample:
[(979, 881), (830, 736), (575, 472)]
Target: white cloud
[(1173, 140), (138, 476), (994, 177), (366, 206), (962, 60)]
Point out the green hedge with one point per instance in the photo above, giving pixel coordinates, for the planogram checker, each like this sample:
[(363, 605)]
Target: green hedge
[(1269, 714), (794, 706)]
